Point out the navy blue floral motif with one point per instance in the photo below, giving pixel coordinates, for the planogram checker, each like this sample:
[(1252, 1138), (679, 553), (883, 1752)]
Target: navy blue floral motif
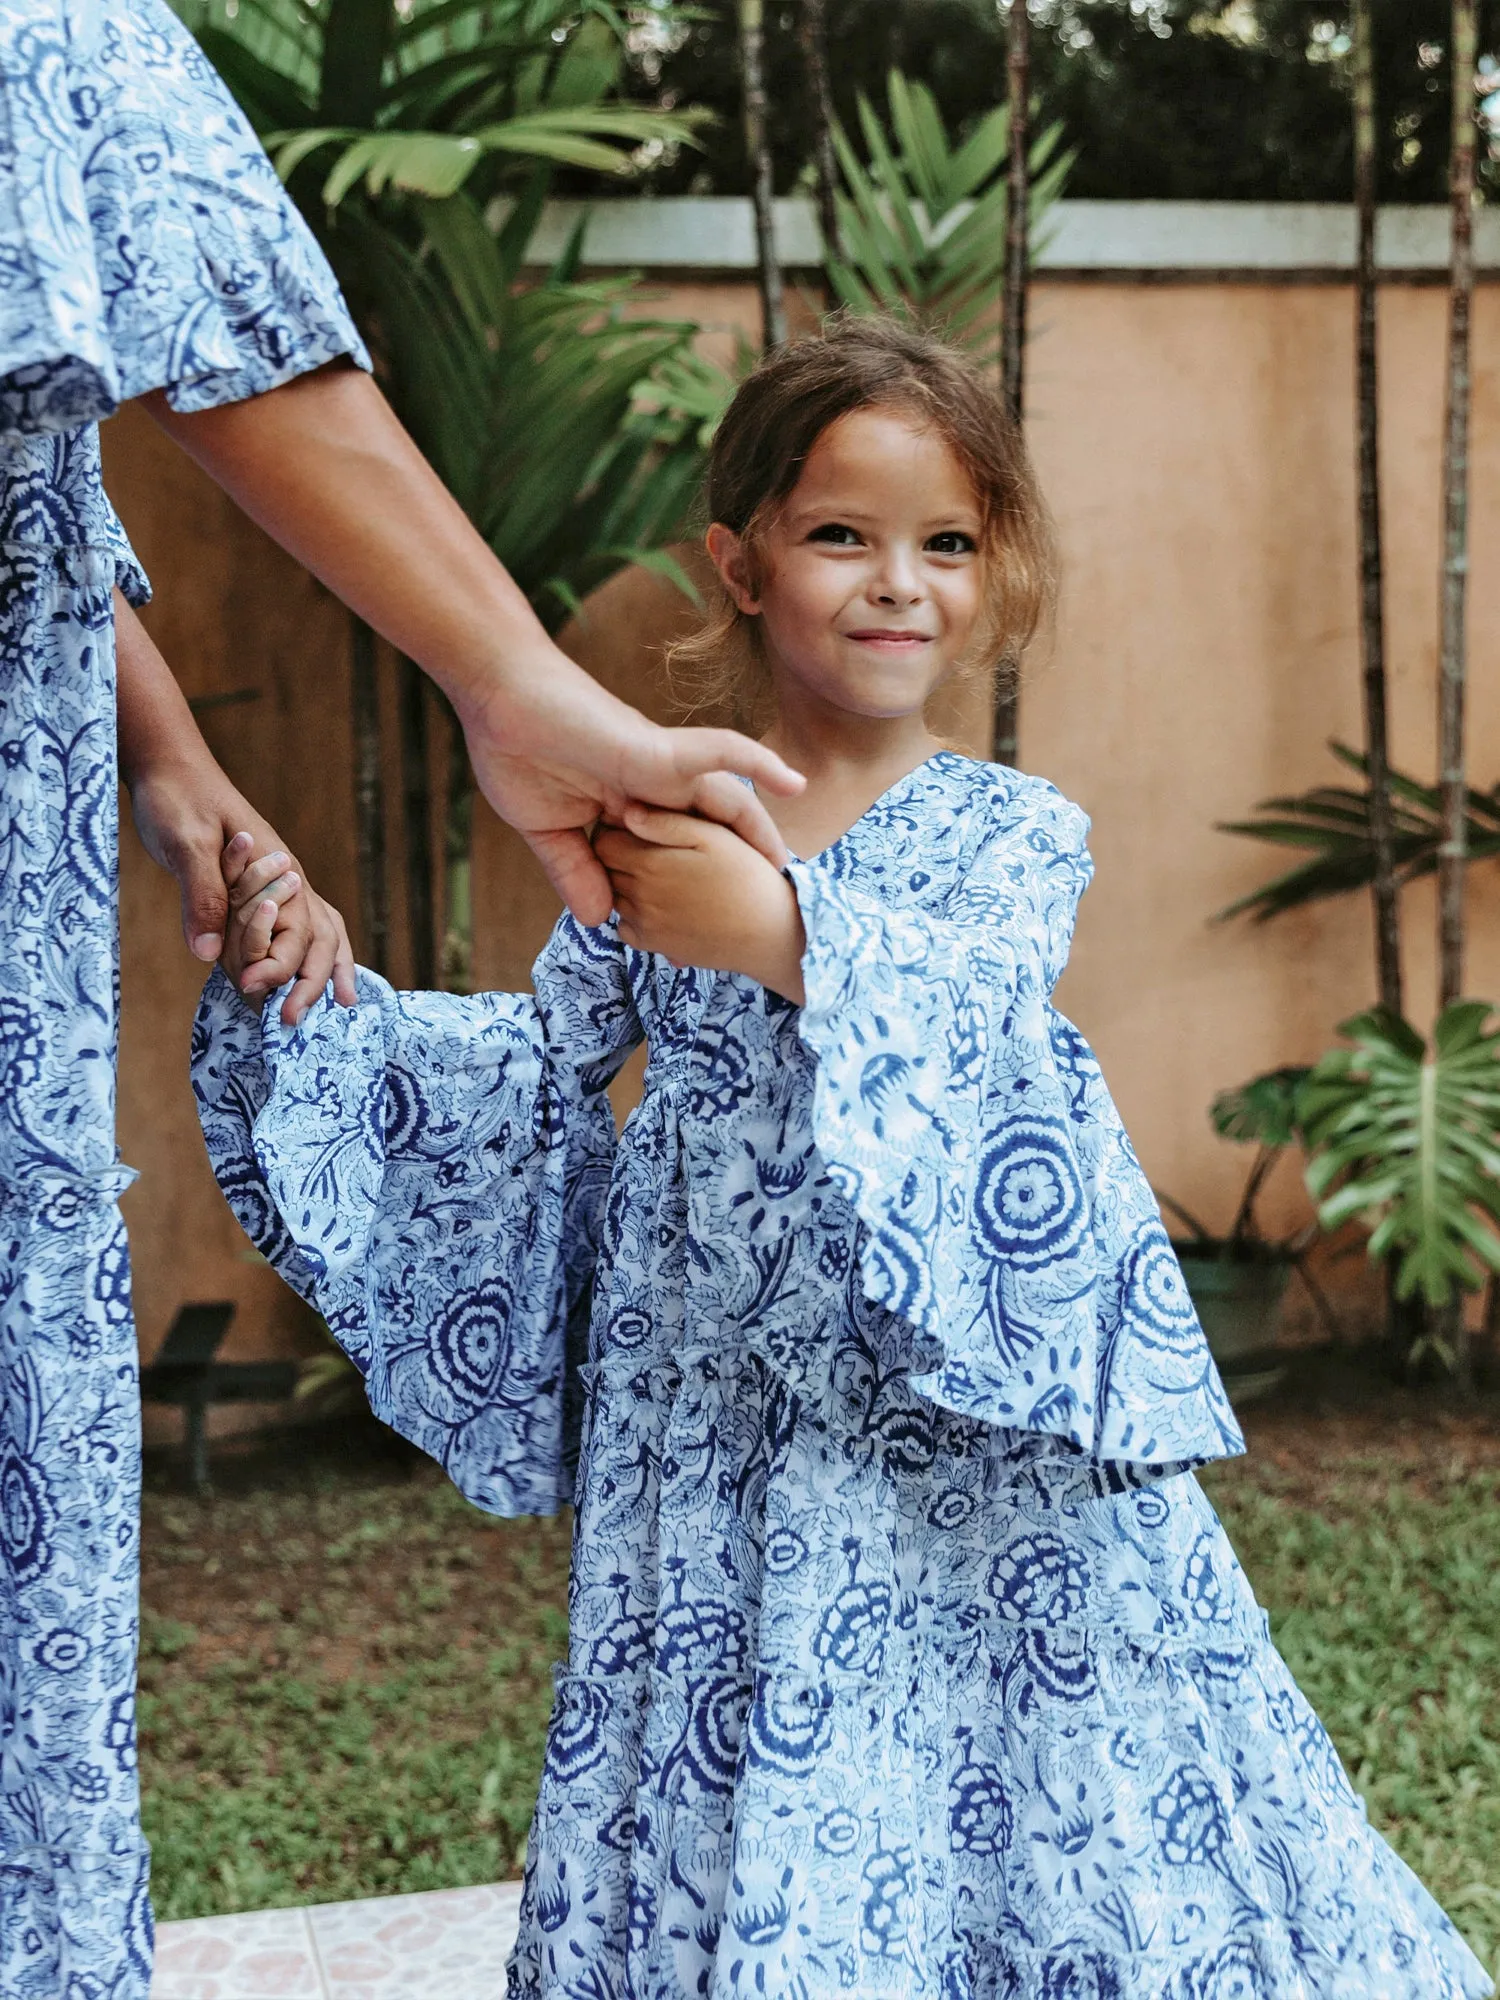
[(144, 243), (906, 1656)]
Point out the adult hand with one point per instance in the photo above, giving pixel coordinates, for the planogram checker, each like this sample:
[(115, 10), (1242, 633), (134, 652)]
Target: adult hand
[(323, 464), (187, 817), (555, 753), (187, 813)]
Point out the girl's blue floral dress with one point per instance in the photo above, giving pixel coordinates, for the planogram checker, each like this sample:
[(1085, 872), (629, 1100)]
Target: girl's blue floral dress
[(906, 1656), (144, 243)]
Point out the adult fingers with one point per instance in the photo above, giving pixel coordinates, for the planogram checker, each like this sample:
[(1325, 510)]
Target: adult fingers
[(235, 858), (575, 872), (694, 753), (205, 906), (736, 806)]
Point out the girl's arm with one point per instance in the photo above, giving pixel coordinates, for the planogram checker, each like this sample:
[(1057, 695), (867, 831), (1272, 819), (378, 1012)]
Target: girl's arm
[(324, 466), (187, 814)]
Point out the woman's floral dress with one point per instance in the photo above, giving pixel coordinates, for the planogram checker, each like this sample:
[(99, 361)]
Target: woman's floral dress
[(906, 1656), (144, 242)]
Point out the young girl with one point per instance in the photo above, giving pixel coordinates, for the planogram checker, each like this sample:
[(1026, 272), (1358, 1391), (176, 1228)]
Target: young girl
[(906, 1656)]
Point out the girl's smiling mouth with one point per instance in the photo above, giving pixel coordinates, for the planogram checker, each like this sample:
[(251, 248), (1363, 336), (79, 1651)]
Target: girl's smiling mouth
[(880, 636)]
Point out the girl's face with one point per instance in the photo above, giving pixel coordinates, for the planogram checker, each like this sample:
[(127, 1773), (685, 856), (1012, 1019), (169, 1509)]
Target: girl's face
[(873, 581)]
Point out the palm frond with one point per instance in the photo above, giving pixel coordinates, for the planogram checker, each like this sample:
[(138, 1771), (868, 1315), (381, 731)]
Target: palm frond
[(1332, 823), (922, 225)]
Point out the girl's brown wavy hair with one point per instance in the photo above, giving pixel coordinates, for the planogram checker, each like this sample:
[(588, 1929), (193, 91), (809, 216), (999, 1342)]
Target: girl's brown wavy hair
[(778, 414)]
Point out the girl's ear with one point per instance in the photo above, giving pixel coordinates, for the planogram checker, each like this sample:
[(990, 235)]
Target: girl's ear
[(728, 555)]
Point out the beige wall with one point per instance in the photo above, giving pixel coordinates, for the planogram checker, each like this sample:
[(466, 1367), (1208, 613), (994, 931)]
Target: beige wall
[(1196, 442)]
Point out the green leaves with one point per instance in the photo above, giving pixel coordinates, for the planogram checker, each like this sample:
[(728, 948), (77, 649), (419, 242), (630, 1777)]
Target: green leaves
[(922, 227), (414, 100), (1333, 822), (1262, 1112), (437, 164), (548, 413), (1406, 1140)]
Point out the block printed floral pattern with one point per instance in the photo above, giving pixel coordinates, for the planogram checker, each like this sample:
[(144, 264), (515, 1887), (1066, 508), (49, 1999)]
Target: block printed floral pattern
[(906, 1656), (144, 243)]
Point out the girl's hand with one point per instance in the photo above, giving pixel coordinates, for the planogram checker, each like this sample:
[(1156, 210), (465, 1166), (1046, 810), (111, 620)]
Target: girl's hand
[(278, 927), (699, 895)]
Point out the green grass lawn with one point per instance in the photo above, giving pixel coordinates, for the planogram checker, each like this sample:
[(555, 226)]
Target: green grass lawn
[(345, 1670)]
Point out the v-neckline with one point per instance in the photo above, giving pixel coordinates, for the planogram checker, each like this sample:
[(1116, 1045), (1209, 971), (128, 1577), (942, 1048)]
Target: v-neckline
[(893, 790)]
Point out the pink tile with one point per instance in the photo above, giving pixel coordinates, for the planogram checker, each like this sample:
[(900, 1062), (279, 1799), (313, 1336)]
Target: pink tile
[(262, 1955), (450, 1944)]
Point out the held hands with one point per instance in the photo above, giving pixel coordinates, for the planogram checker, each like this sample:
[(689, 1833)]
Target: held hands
[(260, 921), (279, 928), (554, 753), (700, 895)]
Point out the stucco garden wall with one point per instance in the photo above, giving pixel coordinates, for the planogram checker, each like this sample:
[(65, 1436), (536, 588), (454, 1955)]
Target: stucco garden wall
[(1191, 410)]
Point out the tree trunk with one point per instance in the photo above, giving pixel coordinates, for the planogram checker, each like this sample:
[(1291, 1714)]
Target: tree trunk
[(416, 816), (1371, 567), (758, 152), (1453, 852), (369, 795), (812, 31), (1452, 660), (1013, 312)]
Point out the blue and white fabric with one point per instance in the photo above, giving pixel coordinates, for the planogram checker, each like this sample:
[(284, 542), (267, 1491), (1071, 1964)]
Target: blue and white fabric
[(143, 244), (906, 1656)]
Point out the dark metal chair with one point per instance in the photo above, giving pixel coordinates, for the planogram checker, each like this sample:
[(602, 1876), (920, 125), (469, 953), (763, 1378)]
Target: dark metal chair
[(186, 1373)]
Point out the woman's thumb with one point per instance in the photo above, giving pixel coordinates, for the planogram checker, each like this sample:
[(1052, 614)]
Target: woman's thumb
[(205, 903)]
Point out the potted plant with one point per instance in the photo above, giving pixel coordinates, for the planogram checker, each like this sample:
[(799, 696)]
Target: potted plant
[(1238, 1280)]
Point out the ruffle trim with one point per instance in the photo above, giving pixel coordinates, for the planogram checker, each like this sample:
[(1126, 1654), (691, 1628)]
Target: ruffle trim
[(1048, 1839), (435, 1265), (1029, 1328)]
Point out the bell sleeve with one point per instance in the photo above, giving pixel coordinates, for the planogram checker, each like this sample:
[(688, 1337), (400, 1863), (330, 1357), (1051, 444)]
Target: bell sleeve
[(145, 240), (1004, 1214), (429, 1173)]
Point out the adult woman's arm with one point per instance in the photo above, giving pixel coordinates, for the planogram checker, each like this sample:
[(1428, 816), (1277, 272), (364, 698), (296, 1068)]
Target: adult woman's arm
[(187, 812), (325, 467)]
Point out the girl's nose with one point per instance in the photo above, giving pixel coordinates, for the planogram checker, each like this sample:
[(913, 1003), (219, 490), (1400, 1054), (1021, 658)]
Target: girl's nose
[(898, 580)]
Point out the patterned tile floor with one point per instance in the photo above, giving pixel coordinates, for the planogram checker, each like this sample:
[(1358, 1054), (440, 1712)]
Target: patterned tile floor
[(449, 1945)]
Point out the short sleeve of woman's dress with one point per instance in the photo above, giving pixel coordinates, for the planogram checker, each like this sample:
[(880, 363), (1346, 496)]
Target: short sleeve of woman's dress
[(145, 241), (1005, 1214), (429, 1172)]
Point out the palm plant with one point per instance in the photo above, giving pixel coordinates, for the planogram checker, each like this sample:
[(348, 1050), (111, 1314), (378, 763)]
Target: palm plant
[(420, 98), (1335, 824), (922, 228), (1405, 1139)]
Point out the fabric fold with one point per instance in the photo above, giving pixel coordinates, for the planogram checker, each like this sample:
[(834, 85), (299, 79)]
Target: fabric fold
[(1005, 1215), (422, 1173), (149, 242)]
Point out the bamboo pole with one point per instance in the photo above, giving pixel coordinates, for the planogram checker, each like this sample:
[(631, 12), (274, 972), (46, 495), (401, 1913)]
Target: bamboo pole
[(752, 20), (1453, 850), (1371, 562), (812, 32), (1013, 311)]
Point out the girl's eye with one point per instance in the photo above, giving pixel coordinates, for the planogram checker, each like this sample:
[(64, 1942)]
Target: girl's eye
[(837, 533), (952, 542)]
